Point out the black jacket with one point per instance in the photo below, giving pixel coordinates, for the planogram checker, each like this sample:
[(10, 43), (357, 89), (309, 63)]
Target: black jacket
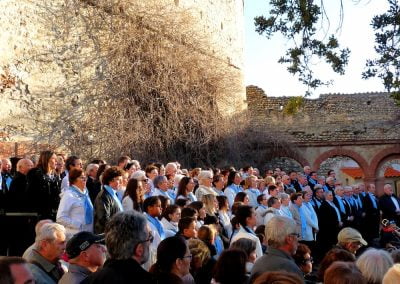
[(44, 193), (123, 271), (104, 208), (388, 208), (17, 199)]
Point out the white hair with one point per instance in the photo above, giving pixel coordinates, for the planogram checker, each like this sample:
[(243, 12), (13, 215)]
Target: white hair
[(48, 232), (277, 229), (374, 264), (338, 188), (90, 167), (329, 179), (204, 175)]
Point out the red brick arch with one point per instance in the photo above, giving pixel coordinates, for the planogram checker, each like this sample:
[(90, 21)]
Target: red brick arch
[(342, 152), (391, 152)]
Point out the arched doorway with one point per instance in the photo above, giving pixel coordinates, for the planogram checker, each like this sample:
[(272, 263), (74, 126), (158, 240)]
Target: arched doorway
[(346, 169), (388, 171)]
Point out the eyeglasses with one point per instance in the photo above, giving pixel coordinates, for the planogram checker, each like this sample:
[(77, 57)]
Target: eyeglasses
[(83, 178), (311, 260), (295, 234), (188, 256), (150, 239)]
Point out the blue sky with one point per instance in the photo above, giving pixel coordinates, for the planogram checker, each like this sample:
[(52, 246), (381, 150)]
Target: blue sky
[(261, 54)]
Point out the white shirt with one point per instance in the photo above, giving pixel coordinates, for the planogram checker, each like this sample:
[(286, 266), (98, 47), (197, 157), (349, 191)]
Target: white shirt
[(170, 228), (71, 213), (394, 200), (271, 213), (230, 193), (64, 183), (225, 222), (203, 190), (244, 234), (127, 203), (260, 214)]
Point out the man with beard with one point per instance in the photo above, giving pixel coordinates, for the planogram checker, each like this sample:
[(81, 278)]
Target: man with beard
[(128, 240)]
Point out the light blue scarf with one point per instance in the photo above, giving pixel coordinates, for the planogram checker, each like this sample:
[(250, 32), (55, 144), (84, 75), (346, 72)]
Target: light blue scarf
[(156, 224), (86, 203)]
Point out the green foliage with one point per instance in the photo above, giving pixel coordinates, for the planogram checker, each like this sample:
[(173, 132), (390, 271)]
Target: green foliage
[(293, 105), (387, 38), (296, 20)]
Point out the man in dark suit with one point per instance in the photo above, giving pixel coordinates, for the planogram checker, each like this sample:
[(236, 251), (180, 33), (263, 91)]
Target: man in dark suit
[(318, 197), (390, 205), (345, 211), (329, 222), (294, 181), (371, 215)]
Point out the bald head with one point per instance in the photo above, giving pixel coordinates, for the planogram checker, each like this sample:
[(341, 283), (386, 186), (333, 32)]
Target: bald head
[(24, 166), (5, 165)]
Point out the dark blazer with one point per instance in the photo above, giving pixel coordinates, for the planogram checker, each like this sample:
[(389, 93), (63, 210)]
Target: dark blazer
[(17, 195), (93, 188), (43, 193), (104, 208), (388, 208), (329, 226), (120, 272), (371, 218), (342, 215)]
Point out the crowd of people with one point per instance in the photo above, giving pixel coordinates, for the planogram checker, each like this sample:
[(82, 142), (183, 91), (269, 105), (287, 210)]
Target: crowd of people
[(120, 223)]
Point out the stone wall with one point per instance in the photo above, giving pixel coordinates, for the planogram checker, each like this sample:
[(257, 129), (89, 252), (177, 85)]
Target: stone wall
[(330, 118), (25, 33)]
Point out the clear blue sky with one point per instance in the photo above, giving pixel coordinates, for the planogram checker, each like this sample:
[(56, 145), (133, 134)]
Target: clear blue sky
[(261, 54)]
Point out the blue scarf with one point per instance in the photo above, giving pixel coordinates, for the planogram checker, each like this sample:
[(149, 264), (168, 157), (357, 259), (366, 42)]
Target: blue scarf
[(341, 205), (312, 181), (114, 196), (157, 224), (86, 203), (373, 200), (337, 210)]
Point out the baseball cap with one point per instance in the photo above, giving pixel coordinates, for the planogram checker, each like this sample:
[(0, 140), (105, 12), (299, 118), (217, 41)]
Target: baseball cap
[(82, 241), (348, 234)]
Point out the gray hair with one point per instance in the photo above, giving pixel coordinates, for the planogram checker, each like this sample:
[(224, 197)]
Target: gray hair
[(277, 229), (158, 180), (338, 188), (90, 167), (318, 186), (329, 179), (204, 175), (326, 193), (23, 163), (48, 232), (123, 232), (348, 188), (283, 196), (373, 264)]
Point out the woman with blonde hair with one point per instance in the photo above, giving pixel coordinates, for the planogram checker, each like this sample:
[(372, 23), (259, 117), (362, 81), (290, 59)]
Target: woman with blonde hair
[(269, 180), (250, 187), (211, 204)]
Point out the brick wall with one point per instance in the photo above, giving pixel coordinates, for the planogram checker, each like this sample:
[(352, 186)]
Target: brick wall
[(330, 118)]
